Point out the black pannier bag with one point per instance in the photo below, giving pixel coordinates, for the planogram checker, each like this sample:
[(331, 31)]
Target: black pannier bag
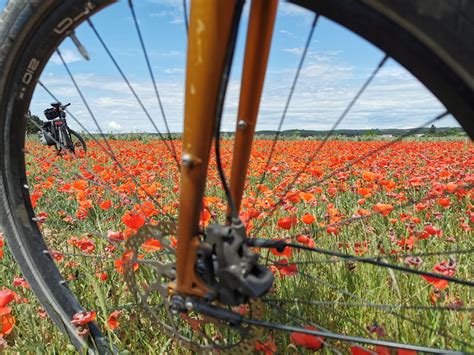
[(51, 113), (45, 135)]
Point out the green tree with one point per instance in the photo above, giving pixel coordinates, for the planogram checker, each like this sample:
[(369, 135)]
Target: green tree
[(32, 127), (433, 129), (371, 133)]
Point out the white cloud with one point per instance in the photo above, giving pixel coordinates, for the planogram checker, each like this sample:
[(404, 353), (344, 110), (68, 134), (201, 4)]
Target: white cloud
[(115, 126), (287, 9), (174, 70), (295, 51), (172, 10), (69, 56), (394, 99), (172, 53), (111, 100), (287, 33), (326, 85), (319, 56)]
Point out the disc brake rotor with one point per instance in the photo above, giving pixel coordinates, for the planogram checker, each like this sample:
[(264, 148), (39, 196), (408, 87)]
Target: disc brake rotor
[(152, 294)]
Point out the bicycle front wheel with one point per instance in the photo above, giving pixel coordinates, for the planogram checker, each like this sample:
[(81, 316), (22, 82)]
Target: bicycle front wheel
[(338, 207)]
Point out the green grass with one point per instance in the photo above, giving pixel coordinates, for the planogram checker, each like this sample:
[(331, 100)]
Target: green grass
[(320, 279)]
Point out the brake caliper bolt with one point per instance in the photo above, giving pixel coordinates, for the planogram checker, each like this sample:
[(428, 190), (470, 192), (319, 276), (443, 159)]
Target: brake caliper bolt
[(242, 124), (187, 160)]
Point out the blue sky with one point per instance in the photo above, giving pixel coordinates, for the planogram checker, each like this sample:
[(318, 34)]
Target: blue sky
[(337, 64)]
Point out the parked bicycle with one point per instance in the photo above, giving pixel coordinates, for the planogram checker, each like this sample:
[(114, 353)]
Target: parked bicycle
[(56, 132)]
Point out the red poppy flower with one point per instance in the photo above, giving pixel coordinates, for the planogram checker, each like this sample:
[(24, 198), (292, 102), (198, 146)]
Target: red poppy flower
[(6, 296), (126, 259), (106, 205), (358, 350), (7, 321), (440, 284), (80, 185), (205, 217), (451, 187), (368, 176), (151, 245), (383, 208), (82, 318), (307, 341), (20, 282), (113, 320), (286, 222), (133, 220), (364, 191), (287, 251), (268, 347), (115, 236), (304, 239), (308, 218), (444, 201), (285, 268)]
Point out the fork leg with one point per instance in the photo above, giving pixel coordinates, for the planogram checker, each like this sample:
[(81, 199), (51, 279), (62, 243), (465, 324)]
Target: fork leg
[(259, 37), (209, 32)]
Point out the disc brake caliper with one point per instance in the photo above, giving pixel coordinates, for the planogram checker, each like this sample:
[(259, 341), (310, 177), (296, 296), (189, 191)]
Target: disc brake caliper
[(229, 267)]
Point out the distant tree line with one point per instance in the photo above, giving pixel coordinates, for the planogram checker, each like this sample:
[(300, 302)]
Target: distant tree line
[(435, 131), (32, 127)]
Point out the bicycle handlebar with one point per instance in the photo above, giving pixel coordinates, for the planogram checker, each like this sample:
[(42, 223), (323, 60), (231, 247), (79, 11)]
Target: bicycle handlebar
[(57, 105)]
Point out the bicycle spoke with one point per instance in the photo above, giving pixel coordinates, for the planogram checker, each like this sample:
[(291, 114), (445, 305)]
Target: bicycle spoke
[(350, 220), (301, 319), (92, 181), (256, 242), (377, 262), (346, 167), (352, 339), (132, 90), (155, 87), (287, 105), (334, 127), (389, 311), (109, 151), (81, 255), (452, 308), (368, 214), (376, 257), (185, 14), (103, 257), (237, 318)]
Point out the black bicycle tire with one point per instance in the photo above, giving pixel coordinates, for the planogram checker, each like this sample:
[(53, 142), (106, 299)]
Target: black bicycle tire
[(55, 133), (79, 137), (16, 215), (63, 138), (24, 20)]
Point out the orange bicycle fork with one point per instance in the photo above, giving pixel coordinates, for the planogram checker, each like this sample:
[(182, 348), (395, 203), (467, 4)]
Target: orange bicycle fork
[(209, 36)]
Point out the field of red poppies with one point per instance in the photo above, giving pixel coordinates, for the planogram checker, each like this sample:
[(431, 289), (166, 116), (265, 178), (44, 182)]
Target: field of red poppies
[(411, 202)]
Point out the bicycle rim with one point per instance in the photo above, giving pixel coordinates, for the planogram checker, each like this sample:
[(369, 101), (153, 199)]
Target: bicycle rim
[(293, 270)]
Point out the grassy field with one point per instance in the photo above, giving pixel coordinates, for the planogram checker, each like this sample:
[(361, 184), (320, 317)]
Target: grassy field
[(412, 197)]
